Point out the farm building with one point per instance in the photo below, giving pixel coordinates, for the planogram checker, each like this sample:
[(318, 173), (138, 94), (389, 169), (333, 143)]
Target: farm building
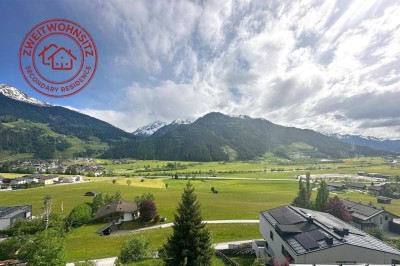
[(384, 200), (8, 214), (357, 186), (336, 186), (376, 190), (308, 237)]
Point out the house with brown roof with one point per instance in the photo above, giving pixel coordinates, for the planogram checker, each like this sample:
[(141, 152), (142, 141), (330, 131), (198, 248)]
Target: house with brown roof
[(118, 211)]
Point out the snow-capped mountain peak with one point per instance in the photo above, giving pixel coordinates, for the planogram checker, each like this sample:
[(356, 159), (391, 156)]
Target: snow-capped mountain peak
[(181, 122), (391, 145), (18, 95), (149, 129)]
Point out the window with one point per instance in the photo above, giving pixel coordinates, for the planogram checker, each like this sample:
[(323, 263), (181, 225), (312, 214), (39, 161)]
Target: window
[(386, 217), (271, 235), (381, 220)]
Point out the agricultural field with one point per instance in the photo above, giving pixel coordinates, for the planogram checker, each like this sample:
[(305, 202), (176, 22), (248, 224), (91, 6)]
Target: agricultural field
[(257, 168), (241, 198)]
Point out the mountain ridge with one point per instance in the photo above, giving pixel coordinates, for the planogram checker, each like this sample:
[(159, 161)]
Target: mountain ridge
[(391, 145), (18, 95), (44, 130), (219, 137)]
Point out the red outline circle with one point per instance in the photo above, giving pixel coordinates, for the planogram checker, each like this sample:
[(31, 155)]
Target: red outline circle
[(51, 81), (88, 37)]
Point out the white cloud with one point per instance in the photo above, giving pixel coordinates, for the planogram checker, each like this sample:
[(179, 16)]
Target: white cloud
[(282, 60)]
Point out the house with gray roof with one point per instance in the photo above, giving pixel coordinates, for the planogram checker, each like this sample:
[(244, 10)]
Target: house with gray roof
[(8, 214), (365, 216), (305, 236)]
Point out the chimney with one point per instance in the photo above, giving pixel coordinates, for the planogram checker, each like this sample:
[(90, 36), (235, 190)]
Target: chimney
[(341, 231), (329, 240)]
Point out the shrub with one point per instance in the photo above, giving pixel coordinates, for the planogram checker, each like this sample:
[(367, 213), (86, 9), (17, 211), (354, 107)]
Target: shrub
[(148, 210), (79, 215), (376, 232), (134, 249)]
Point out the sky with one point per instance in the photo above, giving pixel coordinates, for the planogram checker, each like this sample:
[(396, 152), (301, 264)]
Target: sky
[(330, 66)]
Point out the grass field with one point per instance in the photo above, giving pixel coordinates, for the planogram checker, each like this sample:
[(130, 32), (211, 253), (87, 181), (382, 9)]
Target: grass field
[(237, 199), (81, 238), (250, 168)]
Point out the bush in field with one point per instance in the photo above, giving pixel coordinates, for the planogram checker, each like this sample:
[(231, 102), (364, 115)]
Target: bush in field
[(79, 215), (134, 249), (148, 210)]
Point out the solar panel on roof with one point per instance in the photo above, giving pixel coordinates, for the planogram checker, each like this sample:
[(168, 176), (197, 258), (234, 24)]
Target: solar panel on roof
[(306, 241), (306, 226), (316, 235), (284, 215)]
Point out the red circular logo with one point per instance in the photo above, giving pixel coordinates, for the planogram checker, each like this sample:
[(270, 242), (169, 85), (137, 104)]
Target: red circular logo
[(58, 58)]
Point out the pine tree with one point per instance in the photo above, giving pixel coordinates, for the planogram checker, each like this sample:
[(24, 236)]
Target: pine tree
[(308, 188), (301, 199), (322, 197), (190, 242)]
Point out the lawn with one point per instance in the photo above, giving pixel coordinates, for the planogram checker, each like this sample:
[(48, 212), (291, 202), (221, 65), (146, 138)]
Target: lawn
[(79, 240), (250, 168), (236, 199)]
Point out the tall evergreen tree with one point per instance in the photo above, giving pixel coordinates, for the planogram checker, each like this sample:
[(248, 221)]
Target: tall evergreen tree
[(190, 242), (301, 199), (322, 196), (308, 188)]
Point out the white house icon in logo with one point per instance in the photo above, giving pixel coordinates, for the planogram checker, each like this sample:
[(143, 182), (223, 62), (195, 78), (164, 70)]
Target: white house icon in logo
[(58, 58)]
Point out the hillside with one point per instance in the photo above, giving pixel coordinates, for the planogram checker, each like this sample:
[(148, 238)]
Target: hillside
[(44, 131), (218, 137), (390, 145)]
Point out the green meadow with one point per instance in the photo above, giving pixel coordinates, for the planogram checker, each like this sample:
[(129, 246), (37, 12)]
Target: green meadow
[(257, 168), (258, 190)]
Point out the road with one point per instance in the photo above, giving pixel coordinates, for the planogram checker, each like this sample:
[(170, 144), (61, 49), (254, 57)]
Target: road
[(121, 232)]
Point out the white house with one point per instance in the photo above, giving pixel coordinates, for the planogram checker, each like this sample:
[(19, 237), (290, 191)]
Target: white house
[(118, 211), (68, 179), (369, 216), (20, 181), (309, 237)]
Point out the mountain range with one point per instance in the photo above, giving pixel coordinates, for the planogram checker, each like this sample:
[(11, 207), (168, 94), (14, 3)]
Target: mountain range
[(42, 130), (391, 145), (159, 128), (219, 137)]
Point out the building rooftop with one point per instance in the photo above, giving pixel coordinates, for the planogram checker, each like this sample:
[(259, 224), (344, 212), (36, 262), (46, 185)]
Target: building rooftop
[(9, 211), (361, 211), (310, 231), (115, 207)]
